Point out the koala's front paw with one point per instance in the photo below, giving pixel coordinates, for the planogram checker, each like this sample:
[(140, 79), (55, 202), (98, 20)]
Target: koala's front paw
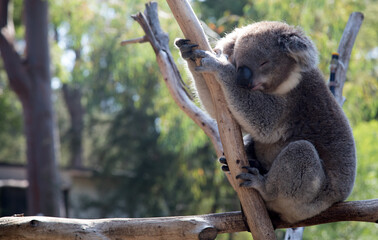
[(252, 179), (186, 48), (211, 62)]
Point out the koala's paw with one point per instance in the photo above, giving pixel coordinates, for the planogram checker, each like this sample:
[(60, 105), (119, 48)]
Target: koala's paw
[(252, 179), (211, 63), (252, 163), (186, 48)]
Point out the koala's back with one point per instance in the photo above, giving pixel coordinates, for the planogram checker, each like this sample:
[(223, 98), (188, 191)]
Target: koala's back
[(321, 121)]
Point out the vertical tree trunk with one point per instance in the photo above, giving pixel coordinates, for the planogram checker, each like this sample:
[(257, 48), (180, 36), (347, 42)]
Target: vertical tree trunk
[(72, 98), (32, 84), (44, 189)]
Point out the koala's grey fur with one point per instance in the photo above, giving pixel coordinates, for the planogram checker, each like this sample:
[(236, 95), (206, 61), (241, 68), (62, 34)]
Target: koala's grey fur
[(297, 131)]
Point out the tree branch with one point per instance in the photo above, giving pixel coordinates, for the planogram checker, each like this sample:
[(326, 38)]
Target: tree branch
[(18, 78), (254, 207), (361, 211), (4, 13), (134, 40), (345, 49), (181, 227), (172, 77)]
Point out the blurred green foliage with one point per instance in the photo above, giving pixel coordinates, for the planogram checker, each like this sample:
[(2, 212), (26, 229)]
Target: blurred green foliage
[(11, 138), (133, 130)]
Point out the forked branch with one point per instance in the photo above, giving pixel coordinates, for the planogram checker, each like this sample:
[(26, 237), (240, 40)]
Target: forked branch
[(172, 78)]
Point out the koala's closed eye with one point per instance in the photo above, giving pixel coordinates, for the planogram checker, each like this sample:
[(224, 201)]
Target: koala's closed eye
[(264, 63)]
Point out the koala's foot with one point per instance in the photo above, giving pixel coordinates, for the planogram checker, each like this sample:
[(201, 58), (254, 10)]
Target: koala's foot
[(252, 163), (186, 48), (252, 179)]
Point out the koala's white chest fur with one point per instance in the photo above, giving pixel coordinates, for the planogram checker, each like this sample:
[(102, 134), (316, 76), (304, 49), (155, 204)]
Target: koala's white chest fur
[(290, 83), (273, 134)]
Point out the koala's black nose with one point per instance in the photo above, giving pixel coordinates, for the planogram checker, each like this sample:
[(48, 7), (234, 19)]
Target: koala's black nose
[(244, 77)]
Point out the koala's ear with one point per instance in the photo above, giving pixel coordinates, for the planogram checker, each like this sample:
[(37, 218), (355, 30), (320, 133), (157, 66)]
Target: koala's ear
[(226, 45), (299, 47)]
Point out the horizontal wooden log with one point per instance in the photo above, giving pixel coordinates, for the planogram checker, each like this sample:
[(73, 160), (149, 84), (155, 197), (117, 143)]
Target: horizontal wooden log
[(182, 227), (43, 228), (361, 211)]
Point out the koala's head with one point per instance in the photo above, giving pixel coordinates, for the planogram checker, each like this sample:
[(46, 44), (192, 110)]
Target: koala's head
[(269, 56)]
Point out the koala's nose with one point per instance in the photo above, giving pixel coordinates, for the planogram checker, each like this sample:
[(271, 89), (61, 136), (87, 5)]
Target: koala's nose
[(244, 77)]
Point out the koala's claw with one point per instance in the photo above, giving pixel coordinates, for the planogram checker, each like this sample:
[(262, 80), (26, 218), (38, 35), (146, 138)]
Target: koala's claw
[(254, 166), (222, 160), (186, 48), (246, 184), (224, 167), (179, 42), (252, 170)]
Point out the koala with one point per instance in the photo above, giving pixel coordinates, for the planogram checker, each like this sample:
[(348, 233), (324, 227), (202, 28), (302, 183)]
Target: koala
[(299, 142)]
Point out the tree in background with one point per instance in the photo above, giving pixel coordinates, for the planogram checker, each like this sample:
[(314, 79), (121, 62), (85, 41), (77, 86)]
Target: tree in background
[(30, 79), (72, 97)]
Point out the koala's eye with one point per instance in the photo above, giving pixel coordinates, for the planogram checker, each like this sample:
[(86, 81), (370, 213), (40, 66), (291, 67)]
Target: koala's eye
[(263, 63)]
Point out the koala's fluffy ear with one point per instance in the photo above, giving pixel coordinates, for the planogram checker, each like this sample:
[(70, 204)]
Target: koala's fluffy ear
[(226, 45), (299, 47)]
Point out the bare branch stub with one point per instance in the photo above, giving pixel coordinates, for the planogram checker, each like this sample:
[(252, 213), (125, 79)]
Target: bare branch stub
[(143, 22), (345, 49), (134, 40)]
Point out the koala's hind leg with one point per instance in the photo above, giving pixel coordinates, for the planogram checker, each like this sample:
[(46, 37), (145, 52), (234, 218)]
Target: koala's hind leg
[(294, 180)]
